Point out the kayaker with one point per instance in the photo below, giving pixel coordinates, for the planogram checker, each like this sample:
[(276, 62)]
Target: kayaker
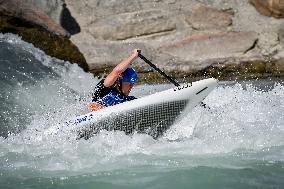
[(115, 88)]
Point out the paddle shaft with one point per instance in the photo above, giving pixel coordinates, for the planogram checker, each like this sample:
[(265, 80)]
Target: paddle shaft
[(164, 74), (158, 70)]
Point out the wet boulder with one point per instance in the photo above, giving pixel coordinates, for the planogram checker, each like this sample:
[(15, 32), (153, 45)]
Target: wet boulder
[(273, 8), (30, 13), (204, 17), (130, 25), (212, 45), (36, 27)]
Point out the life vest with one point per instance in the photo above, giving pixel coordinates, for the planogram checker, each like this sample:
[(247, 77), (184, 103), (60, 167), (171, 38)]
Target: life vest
[(112, 98)]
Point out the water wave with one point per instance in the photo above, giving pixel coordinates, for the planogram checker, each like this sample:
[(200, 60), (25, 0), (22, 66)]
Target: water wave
[(242, 129)]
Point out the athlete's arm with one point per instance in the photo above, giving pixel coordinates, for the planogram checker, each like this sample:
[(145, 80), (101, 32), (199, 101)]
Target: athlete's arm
[(120, 68)]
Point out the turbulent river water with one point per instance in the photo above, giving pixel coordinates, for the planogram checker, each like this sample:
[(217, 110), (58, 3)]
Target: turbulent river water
[(237, 143)]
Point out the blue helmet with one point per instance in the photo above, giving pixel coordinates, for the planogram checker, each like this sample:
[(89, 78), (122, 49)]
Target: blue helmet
[(129, 75)]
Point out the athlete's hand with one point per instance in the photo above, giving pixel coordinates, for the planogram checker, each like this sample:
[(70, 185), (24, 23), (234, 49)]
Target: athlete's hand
[(136, 52)]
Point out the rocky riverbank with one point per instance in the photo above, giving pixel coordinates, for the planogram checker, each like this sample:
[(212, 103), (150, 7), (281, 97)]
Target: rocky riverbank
[(37, 22), (226, 39)]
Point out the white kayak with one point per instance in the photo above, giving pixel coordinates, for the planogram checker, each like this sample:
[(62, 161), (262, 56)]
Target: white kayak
[(152, 114)]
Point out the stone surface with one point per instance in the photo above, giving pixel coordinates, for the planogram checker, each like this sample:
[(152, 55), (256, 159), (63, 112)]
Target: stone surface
[(216, 45), (269, 43), (273, 8), (183, 37), (90, 11), (54, 45), (203, 17), (130, 25), (106, 55), (52, 8), (31, 14), (206, 33), (281, 36), (36, 27)]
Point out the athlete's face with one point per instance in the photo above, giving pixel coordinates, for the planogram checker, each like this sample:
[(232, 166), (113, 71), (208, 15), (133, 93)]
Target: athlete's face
[(126, 87)]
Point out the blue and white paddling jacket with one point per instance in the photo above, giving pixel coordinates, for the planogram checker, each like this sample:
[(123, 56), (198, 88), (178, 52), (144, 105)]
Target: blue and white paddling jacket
[(109, 96)]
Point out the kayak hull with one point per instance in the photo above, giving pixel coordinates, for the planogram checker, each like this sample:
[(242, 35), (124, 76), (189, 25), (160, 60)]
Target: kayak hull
[(152, 114)]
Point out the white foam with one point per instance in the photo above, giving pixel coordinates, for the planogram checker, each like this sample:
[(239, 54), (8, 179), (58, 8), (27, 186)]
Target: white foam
[(239, 118)]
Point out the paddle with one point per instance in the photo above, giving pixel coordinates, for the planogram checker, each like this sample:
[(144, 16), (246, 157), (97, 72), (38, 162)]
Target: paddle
[(164, 74), (157, 69)]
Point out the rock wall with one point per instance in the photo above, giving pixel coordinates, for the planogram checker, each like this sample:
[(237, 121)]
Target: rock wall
[(34, 25), (181, 36), (32, 14), (185, 37), (273, 8), (52, 8)]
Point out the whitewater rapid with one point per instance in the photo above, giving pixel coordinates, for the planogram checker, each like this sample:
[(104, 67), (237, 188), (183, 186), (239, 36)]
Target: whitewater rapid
[(244, 124)]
